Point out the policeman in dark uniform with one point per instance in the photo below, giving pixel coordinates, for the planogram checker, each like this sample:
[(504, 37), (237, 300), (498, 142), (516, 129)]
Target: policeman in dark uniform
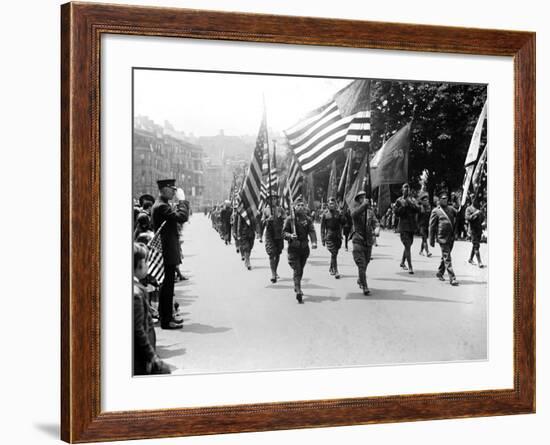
[(332, 223), (273, 226), (365, 228), (163, 212), (296, 230)]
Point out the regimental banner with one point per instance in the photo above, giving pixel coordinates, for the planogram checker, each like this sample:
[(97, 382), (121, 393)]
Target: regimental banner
[(390, 164)]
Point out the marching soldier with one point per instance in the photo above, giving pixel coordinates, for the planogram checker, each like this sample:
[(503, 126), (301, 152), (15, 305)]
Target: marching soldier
[(332, 222), (245, 237), (225, 216), (297, 228), (273, 226), (365, 228), (442, 226), (424, 222), (475, 219), (171, 252), (348, 225), (406, 209)]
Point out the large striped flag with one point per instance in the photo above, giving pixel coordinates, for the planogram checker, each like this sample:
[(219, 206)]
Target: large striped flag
[(343, 121), (251, 191), (155, 263)]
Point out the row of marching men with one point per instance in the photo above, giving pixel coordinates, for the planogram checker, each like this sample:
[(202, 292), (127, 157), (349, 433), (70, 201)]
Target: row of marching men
[(359, 224), (273, 226)]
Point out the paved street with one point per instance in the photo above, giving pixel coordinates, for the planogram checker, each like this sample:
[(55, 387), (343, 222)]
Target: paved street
[(236, 320)]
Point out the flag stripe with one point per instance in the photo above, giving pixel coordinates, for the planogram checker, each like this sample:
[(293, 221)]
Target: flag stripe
[(327, 132), (316, 128), (305, 124)]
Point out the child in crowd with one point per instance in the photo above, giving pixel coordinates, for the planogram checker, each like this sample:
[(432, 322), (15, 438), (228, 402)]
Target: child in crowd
[(146, 360)]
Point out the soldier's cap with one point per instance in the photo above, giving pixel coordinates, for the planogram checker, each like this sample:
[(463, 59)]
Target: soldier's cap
[(274, 195), (146, 197), (359, 194), (299, 200), (331, 199), (443, 195), (167, 183)]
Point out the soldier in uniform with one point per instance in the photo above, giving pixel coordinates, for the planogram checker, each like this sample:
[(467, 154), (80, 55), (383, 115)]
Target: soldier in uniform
[(171, 252), (424, 222), (475, 219), (225, 216), (442, 226), (296, 231), (348, 225), (245, 237), (365, 228), (406, 209), (273, 226), (332, 222)]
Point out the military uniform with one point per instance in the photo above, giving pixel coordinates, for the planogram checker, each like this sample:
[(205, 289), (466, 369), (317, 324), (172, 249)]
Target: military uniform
[(298, 249), (406, 210), (225, 224), (245, 237), (332, 223), (171, 252), (348, 226), (273, 226), (365, 224), (475, 219), (442, 228)]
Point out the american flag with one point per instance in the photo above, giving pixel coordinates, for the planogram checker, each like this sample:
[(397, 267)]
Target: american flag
[(264, 192), (154, 257), (251, 191), (293, 184), (343, 121)]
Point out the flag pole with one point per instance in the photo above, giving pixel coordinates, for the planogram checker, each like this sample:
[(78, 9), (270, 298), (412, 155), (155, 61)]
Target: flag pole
[(268, 162)]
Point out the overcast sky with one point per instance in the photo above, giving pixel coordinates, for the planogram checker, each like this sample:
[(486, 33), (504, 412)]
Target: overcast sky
[(205, 103)]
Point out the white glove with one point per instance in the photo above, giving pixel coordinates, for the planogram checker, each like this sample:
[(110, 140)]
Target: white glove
[(180, 195)]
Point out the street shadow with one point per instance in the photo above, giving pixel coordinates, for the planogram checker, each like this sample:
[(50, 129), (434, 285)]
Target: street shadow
[(462, 282), (398, 295), (199, 328), (418, 274), (320, 299), (316, 263), (393, 279), (259, 267), (185, 300), (304, 286), (49, 429), (165, 353)]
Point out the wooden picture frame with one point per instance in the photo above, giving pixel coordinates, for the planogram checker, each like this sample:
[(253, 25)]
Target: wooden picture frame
[(82, 26)]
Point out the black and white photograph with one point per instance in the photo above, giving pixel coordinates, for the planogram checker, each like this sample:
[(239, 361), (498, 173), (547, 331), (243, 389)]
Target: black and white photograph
[(287, 222)]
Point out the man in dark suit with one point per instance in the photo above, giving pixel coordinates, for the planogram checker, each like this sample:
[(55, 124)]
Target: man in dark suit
[(442, 226), (164, 213)]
